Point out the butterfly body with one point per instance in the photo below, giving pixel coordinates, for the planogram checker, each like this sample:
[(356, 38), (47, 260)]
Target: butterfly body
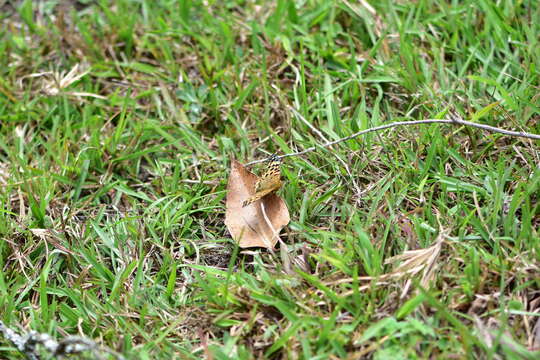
[(268, 183)]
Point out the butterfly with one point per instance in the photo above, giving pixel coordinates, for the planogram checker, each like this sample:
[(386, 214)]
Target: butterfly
[(269, 182)]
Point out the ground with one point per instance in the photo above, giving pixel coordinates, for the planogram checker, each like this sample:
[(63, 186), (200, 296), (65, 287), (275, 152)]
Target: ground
[(119, 121)]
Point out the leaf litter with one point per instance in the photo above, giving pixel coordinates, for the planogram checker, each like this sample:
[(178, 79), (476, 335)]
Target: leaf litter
[(259, 223)]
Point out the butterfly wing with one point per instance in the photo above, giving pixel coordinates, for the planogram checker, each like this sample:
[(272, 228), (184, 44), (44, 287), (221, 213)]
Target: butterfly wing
[(269, 182), (258, 196)]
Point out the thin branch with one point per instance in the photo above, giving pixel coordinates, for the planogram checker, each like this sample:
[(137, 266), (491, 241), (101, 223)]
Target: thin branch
[(455, 120)]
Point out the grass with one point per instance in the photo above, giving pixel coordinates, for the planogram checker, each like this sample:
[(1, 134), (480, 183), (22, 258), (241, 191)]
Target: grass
[(129, 185)]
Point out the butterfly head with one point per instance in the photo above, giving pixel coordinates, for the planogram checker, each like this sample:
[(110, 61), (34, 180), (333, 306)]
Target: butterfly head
[(274, 159)]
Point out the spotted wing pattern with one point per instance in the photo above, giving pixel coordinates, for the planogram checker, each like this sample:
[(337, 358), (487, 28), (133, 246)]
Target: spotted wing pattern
[(269, 182)]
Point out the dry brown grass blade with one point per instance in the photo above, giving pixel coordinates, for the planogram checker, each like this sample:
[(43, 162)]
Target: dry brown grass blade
[(50, 237), (418, 261), (55, 83), (248, 225), (535, 338), (421, 260)]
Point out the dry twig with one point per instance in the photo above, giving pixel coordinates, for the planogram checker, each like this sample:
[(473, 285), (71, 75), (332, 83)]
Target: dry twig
[(454, 120)]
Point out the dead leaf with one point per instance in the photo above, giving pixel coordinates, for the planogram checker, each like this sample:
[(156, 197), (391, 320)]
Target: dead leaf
[(248, 225)]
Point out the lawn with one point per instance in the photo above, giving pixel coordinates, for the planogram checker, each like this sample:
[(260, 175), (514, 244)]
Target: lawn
[(119, 122)]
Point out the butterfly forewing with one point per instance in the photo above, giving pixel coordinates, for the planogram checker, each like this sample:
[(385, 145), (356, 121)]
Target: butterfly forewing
[(269, 182)]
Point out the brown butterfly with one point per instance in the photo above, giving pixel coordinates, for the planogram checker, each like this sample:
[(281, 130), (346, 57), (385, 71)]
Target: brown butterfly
[(269, 182)]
